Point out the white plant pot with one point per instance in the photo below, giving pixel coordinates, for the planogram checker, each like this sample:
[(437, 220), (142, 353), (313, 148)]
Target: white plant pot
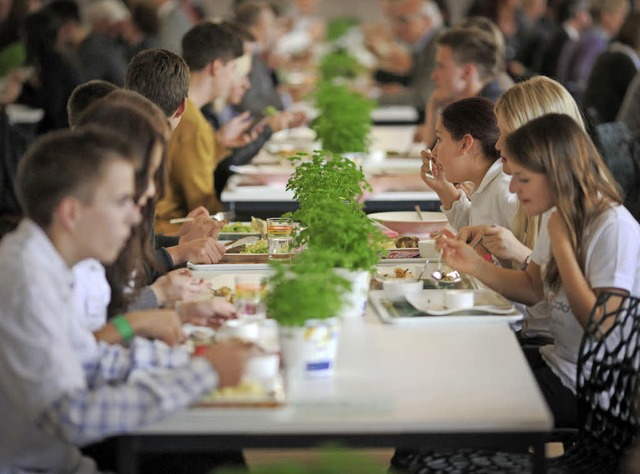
[(310, 351), (355, 301)]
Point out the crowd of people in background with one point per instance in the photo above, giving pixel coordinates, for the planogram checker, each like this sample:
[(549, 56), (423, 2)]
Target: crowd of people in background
[(147, 105)]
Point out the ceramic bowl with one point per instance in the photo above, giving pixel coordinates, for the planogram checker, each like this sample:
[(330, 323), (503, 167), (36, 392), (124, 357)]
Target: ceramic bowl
[(407, 222)]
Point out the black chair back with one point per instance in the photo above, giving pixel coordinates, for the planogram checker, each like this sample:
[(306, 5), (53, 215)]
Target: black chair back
[(607, 385)]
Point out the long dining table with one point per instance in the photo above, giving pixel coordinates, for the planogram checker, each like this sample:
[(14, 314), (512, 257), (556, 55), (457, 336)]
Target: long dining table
[(392, 153), (444, 383)]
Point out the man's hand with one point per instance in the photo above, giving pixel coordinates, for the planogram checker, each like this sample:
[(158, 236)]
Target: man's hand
[(205, 250)]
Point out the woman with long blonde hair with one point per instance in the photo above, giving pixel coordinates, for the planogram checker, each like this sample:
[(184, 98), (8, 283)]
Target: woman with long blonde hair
[(591, 244)]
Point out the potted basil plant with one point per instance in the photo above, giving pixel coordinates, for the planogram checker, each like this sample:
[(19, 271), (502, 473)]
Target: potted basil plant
[(304, 298)]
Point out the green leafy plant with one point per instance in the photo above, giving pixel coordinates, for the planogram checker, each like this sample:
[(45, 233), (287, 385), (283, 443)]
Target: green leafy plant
[(339, 64), (338, 27), (343, 231), (331, 218), (326, 174), (306, 289), (344, 121)]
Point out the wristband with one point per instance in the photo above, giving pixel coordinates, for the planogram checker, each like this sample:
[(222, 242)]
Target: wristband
[(123, 327)]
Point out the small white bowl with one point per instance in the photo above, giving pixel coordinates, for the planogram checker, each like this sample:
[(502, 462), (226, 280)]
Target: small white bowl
[(428, 249), (458, 299), (396, 290), (241, 329)]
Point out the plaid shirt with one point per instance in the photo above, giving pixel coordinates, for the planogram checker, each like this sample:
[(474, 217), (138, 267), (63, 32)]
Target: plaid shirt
[(85, 416)]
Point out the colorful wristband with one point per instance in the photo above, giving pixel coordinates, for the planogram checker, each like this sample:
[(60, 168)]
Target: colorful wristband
[(123, 327)]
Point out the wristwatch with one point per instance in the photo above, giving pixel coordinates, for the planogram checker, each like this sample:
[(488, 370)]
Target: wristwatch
[(526, 262)]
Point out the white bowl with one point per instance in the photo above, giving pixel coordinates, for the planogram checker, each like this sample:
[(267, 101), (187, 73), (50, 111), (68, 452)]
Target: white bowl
[(458, 299), (407, 222), (241, 329), (396, 290), (428, 249)]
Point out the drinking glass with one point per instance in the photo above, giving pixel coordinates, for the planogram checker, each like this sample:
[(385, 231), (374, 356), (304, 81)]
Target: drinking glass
[(249, 298), (279, 237)]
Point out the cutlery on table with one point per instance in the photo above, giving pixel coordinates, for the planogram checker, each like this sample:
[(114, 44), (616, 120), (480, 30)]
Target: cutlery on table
[(219, 216), (252, 239), (429, 174)]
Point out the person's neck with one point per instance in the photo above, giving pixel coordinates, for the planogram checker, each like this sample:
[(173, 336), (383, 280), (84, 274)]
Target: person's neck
[(473, 88), (64, 244), (199, 88), (479, 170)]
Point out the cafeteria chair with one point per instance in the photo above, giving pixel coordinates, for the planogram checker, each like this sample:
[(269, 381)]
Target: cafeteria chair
[(608, 379)]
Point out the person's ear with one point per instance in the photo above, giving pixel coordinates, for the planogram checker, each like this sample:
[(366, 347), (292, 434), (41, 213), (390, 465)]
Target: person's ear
[(468, 71), (466, 143), (180, 110), (215, 66), (68, 212)]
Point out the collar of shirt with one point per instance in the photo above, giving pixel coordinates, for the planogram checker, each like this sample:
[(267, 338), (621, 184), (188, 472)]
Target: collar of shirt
[(494, 171), (45, 251)]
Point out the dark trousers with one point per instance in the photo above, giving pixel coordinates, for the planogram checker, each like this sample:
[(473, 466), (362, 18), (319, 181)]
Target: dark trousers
[(104, 454), (561, 400)]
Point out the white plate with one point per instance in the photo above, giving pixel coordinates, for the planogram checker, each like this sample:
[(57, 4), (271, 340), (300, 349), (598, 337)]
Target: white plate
[(485, 301), (229, 267)]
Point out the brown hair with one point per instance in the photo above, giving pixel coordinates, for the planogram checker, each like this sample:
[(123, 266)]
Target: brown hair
[(583, 188), (473, 46), (473, 116), (145, 131), (84, 95), (56, 166), (208, 41), (161, 76)]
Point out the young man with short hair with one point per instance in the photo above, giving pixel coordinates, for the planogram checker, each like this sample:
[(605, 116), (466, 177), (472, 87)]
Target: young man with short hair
[(77, 208), (210, 50), (466, 66)]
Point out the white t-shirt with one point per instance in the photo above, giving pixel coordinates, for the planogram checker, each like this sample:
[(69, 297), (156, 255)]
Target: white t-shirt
[(491, 203), (536, 319), (612, 261)]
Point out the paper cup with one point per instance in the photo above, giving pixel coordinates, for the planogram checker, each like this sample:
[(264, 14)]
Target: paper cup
[(428, 249)]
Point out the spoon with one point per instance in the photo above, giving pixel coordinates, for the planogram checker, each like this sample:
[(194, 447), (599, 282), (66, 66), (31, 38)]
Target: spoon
[(418, 211), (429, 174)]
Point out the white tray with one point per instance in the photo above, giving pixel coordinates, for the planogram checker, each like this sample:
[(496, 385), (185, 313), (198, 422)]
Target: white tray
[(404, 312)]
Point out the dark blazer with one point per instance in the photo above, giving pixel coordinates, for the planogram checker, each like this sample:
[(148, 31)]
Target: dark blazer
[(546, 61)]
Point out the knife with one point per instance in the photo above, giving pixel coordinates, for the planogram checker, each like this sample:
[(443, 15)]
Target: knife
[(219, 216), (252, 239)]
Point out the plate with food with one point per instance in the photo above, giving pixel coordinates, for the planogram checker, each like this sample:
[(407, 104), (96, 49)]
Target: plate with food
[(239, 229), (404, 246), (249, 393), (255, 252)]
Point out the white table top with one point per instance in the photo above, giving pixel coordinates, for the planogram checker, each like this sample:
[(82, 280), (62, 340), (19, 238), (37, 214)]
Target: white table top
[(387, 138), (442, 377)]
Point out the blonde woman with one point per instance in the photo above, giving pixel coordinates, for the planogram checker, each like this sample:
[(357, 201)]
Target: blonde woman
[(591, 244), (520, 104)]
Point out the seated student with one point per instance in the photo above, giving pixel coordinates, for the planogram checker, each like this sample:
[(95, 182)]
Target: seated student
[(210, 50), (128, 277), (592, 244), (77, 208), (466, 135)]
